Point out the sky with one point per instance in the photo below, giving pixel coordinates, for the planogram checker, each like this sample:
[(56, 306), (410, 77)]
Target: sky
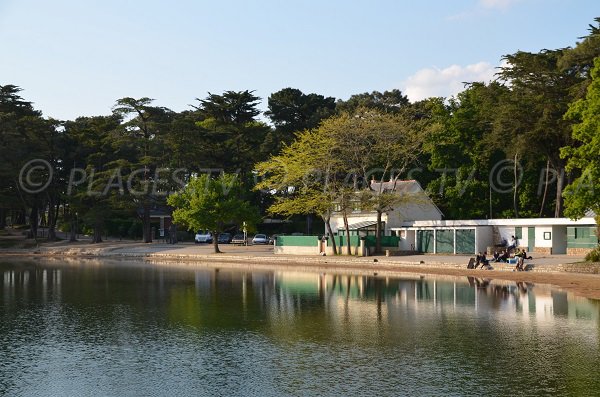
[(76, 58)]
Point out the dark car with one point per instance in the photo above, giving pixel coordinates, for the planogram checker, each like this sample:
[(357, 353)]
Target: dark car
[(238, 239), (224, 238)]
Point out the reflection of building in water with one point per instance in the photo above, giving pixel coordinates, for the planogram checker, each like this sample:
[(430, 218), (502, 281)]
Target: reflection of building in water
[(377, 297)]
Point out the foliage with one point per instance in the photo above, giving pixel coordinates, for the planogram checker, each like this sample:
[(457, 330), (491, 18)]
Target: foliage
[(455, 147), (387, 102), (593, 256), (212, 203), (583, 193)]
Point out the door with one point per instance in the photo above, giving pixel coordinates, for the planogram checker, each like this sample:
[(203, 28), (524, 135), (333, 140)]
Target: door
[(445, 241), (465, 241), (530, 239)]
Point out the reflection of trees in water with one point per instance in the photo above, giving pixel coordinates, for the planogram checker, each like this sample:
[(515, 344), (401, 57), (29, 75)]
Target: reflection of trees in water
[(223, 298)]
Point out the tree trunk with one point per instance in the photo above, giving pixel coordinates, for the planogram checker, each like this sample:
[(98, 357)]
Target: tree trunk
[(545, 188), (516, 190), (73, 228), (3, 213), (52, 218), (97, 236), (146, 224), (330, 233), (560, 179), (378, 231), (345, 215), (19, 218), (33, 222), (215, 239)]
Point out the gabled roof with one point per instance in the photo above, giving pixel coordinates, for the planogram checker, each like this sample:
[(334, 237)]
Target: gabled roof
[(410, 186), (403, 187)]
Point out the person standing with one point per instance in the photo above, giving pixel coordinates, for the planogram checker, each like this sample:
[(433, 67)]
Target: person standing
[(513, 243)]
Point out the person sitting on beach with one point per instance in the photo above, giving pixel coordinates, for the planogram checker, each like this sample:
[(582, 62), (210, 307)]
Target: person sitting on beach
[(496, 256), (525, 256), (520, 255), (503, 257), (480, 259)]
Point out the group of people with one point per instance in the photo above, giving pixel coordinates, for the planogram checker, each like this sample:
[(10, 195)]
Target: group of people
[(482, 261)]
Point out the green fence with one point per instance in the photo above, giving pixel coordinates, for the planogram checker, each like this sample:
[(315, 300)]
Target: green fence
[(312, 241), (297, 241), (386, 241), (582, 237), (341, 241)]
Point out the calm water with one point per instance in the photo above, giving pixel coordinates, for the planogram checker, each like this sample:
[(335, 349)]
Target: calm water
[(94, 328)]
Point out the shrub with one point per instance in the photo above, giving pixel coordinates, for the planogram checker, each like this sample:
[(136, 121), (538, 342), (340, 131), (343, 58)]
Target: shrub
[(593, 256)]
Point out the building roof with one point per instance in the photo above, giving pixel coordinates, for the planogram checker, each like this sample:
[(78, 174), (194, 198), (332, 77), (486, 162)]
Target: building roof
[(502, 222), (361, 225), (403, 187)]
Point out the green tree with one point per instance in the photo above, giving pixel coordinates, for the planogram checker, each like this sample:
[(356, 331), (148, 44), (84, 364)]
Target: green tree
[(387, 101), (95, 188), (25, 139), (230, 122), (141, 151), (371, 144), (530, 117), (291, 111), (303, 178), (212, 203), (583, 194)]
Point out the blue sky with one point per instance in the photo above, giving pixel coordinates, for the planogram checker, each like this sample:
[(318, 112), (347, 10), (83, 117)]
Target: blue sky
[(78, 57)]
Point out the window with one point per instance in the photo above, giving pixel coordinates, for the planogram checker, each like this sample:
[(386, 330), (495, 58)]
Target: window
[(547, 235), (518, 233)]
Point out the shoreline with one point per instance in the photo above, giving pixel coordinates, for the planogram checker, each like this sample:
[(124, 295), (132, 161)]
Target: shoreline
[(585, 284)]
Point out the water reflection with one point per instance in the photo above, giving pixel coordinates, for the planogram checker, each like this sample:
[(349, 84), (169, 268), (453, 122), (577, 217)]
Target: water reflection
[(133, 328)]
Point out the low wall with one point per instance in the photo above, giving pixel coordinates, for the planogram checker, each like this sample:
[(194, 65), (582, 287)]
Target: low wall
[(296, 250), (579, 251)]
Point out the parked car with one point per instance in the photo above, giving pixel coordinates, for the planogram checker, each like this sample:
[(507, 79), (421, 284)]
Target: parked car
[(238, 239), (203, 236), (224, 238), (260, 239)]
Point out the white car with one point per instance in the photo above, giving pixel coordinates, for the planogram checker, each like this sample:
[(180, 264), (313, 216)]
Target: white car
[(203, 236), (260, 239)]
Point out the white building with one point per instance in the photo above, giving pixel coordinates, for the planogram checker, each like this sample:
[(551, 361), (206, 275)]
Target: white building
[(541, 235), (418, 207)]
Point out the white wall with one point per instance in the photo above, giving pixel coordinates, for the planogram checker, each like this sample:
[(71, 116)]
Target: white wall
[(408, 242), (293, 250), (506, 232), (539, 237), (484, 237)]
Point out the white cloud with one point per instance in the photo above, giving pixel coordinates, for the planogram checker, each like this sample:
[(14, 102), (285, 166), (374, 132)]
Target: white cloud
[(434, 82)]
